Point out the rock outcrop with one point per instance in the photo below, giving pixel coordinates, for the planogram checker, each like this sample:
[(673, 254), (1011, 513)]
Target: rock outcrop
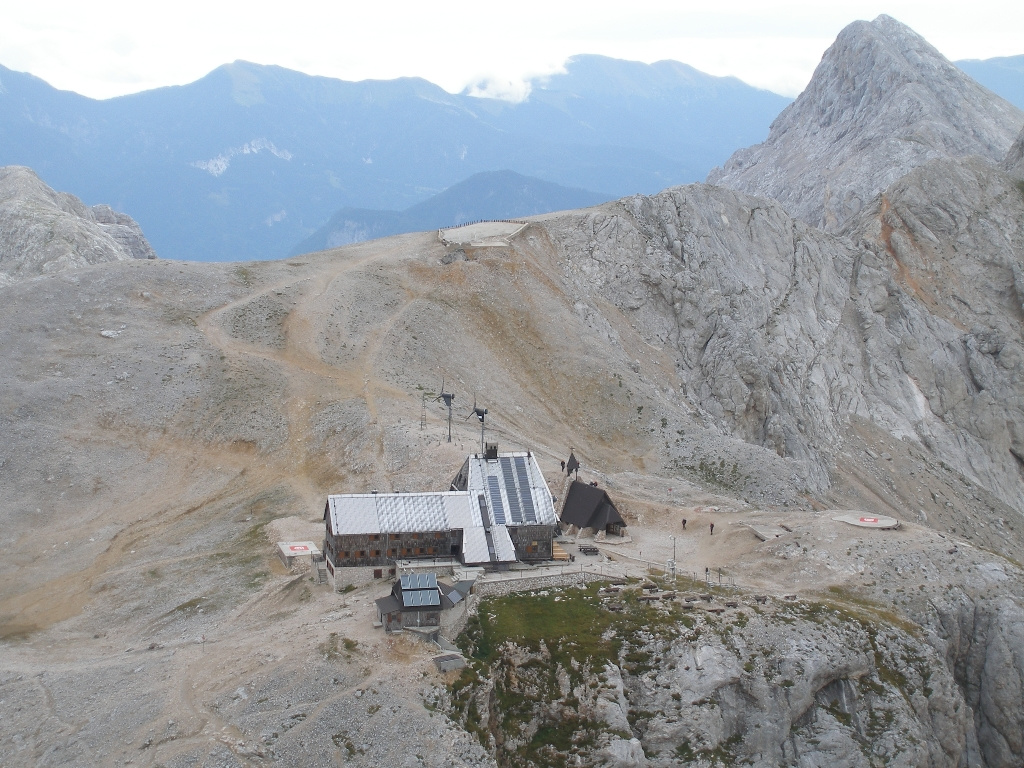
[(881, 102), (923, 677), (43, 231), (781, 334)]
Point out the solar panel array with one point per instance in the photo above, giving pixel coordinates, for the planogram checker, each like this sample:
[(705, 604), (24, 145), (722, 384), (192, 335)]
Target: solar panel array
[(510, 489), (497, 507), (524, 488), (419, 581), (417, 598)]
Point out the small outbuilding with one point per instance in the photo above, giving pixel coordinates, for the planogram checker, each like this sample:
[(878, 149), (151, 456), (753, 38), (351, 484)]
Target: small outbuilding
[(588, 506), (416, 600), (292, 552)]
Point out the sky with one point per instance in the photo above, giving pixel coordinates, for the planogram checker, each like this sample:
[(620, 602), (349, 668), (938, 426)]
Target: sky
[(106, 48)]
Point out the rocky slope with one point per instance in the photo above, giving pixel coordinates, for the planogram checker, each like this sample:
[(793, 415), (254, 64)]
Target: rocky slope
[(1014, 161), (698, 347), (916, 328), (881, 102), (43, 231), (707, 355), (910, 677)]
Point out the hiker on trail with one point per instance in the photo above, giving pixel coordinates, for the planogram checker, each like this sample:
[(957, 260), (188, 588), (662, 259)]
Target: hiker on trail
[(684, 523), (707, 574), (712, 529)]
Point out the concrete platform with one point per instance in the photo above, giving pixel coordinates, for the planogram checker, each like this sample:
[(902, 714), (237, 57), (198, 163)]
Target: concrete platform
[(865, 520), (481, 234), (766, 531)]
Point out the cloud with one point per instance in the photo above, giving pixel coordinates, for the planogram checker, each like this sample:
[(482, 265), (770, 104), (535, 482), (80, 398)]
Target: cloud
[(111, 47)]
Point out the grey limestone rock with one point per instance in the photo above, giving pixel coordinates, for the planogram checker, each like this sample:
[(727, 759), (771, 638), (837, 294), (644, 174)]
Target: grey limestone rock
[(1013, 163), (881, 102), (783, 333), (43, 231)]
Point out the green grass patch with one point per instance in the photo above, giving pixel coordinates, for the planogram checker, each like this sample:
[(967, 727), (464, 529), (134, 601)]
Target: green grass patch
[(336, 647), (569, 632)]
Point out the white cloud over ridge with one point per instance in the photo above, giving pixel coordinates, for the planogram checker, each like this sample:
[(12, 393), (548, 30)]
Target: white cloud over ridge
[(113, 47)]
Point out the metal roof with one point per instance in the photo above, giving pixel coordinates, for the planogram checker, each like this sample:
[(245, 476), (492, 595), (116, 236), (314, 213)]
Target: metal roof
[(514, 489), (503, 546), (480, 545), (387, 604), (359, 513)]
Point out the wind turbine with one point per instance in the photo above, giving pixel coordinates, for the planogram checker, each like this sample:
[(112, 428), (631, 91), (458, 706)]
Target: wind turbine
[(480, 413), (448, 398)]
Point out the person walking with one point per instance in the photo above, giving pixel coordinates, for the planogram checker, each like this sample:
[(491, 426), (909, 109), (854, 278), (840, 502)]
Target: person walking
[(712, 529), (684, 523)]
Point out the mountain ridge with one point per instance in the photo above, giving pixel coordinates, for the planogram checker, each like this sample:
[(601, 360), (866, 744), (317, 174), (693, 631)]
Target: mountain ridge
[(256, 158), (881, 102), (705, 354)]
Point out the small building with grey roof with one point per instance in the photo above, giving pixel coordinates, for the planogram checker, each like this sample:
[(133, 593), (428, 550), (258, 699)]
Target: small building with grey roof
[(589, 507), (417, 599)]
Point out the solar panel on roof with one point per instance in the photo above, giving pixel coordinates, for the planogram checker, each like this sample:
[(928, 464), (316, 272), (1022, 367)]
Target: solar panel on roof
[(421, 597), (510, 489), (529, 510), (496, 506), (419, 581)]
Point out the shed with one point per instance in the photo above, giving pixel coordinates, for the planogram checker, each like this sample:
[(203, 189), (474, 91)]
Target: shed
[(449, 662), (588, 506), (415, 601)]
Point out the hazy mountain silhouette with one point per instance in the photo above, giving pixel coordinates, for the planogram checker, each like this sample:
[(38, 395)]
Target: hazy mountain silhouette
[(250, 159), (1003, 75), (486, 195)]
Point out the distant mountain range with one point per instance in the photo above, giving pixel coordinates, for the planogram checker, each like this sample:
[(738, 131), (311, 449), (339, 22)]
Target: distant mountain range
[(1003, 75), (487, 195), (250, 160)]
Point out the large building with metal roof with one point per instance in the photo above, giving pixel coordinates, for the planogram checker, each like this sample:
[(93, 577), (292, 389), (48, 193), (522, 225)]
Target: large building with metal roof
[(498, 510)]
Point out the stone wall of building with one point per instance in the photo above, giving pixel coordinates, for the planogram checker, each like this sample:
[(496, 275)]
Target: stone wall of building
[(382, 549), (532, 542)]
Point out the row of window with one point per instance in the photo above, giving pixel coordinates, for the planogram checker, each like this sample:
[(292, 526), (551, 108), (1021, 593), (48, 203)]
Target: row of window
[(393, 552), (400, 536)]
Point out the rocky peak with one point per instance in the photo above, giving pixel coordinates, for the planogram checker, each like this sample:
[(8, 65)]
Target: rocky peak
[(44, 231), (881, 102)]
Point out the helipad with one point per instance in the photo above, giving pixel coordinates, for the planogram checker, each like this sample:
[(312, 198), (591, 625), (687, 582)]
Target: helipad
[(482, 233), (865, 520)]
